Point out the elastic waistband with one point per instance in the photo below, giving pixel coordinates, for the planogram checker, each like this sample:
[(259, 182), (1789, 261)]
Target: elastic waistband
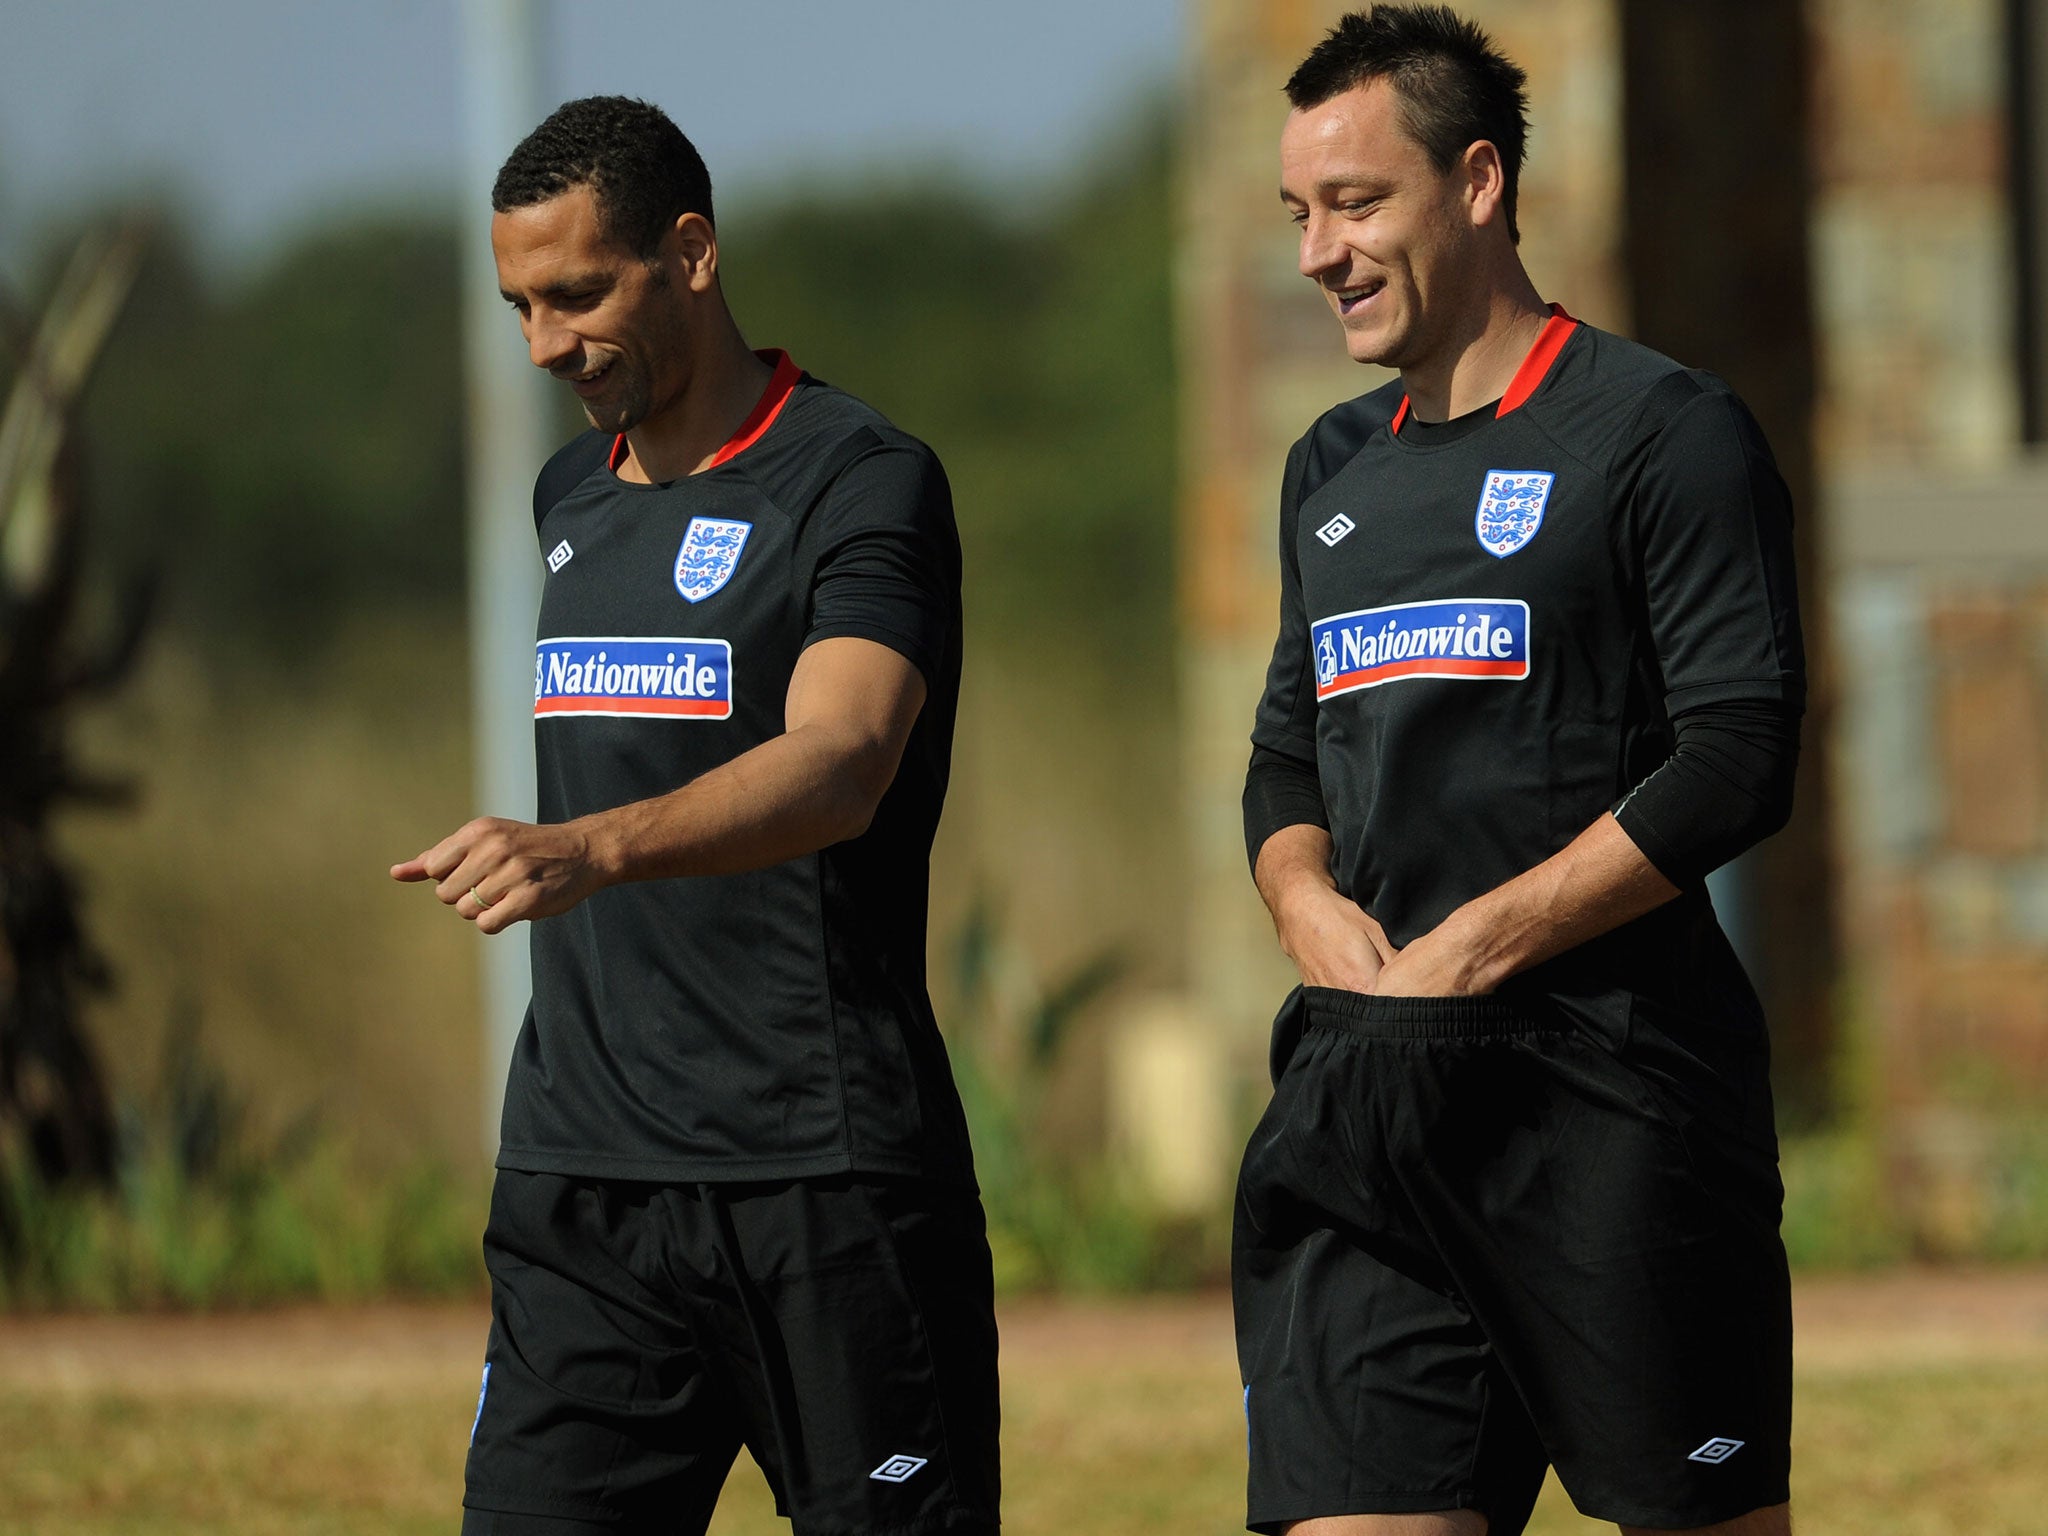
[(1425, 1018)]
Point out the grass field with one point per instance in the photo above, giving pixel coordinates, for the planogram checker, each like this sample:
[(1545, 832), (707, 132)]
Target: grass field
[(1922, 1401)]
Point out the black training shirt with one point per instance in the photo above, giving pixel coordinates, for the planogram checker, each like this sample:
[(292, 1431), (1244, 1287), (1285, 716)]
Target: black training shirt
[(772, 1024), (1488, 629)]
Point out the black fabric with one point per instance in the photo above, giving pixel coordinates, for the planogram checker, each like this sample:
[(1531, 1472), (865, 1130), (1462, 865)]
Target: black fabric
[(1419, 431), (774, 1023), (1471, 1240), (570, 466), (640, 1334), (1726, 786), (1280, 790)]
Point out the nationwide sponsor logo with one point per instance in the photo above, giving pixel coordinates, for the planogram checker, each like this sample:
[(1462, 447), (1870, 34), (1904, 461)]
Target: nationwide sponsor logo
[(897, 1469), (672, 679), (1511, 507), (710, 553), (1471, 637), (560, 555), (1717, 1450), (1335, 529)]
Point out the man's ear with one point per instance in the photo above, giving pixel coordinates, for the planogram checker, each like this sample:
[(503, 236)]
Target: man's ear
[(693, 245), (1486, 181)]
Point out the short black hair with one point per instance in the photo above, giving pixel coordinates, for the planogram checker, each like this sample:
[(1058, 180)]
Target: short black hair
[(643, 172), (1454, 86)]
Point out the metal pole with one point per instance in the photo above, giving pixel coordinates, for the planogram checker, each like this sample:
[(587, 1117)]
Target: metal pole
[(508, 439)]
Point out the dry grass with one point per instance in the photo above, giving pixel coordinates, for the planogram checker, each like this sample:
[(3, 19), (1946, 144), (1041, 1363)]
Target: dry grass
[(1920, 1407), (249, 884)]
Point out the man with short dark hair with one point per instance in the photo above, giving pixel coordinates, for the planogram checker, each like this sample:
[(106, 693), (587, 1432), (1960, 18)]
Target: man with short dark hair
[(1515, 1200), (734, 1203)]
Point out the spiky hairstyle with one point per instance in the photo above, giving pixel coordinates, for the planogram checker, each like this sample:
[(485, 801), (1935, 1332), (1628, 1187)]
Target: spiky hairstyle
[(1454, 86), (643, 172)]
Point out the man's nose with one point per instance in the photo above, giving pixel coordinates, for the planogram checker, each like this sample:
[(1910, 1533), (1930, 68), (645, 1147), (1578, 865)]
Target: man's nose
[(1319, 252), (549, 345)]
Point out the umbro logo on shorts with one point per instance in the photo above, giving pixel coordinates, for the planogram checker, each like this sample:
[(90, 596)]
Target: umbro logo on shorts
[(1717, 1450), (1335, 529), (897, 1469)]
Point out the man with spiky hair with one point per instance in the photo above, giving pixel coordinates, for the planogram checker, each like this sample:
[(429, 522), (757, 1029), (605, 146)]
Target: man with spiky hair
[(734, 1201), (1515, 1201)]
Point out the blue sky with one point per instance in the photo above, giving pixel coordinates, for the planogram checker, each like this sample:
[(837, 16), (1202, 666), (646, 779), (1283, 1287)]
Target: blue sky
[(258, 117)]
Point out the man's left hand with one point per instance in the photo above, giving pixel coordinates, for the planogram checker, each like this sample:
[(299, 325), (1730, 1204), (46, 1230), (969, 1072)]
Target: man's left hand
[(495, 873), (1439, 964)]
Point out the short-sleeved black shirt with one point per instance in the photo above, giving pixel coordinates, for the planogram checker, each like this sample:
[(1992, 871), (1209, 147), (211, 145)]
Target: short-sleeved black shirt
[(772, 1024), (1486, 631)]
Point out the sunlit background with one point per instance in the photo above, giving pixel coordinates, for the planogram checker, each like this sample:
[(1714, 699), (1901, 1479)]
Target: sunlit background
[(1044, 239)]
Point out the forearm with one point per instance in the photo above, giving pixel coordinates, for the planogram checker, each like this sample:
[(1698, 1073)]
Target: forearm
[(1592, 886), (791, 795), (1293, 860)]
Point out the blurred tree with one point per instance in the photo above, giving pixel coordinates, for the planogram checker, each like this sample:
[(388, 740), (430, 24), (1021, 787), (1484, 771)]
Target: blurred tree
[(1031, 346), (54, 1113), (290, 450), (1719, 218)]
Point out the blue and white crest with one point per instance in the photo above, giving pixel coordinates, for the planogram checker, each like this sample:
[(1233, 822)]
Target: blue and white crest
[(709, 556), (1511, 509)]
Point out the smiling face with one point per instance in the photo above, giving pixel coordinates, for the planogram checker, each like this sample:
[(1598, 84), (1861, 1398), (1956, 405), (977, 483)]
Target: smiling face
[(1392, 241), (612, 325)]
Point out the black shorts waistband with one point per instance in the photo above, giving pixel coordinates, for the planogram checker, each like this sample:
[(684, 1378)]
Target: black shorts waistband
[(1425, 1018)]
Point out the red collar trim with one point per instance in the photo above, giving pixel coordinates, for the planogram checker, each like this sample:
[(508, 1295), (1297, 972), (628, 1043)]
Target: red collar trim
[(1557, 330), (781, 385)]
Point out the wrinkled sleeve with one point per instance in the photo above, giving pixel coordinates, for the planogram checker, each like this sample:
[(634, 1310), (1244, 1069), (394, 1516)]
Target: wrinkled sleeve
[(1713, 525), (885, 556), (1282, 786), (1726, 786)]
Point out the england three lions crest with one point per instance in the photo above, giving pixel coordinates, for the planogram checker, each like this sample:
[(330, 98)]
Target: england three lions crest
[(1511, 509), (709, 556)]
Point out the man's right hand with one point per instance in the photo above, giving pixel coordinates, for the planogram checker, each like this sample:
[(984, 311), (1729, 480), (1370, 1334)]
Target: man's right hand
[(1332, 941)]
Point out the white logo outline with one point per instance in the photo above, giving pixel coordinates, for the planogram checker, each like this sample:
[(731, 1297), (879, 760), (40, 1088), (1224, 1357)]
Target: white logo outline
[(560, 556), (1716, 1450), (899, 1468), (1335, 529)]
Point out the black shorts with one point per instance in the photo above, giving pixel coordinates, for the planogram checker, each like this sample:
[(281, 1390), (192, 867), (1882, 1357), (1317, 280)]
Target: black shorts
[(842, 1329), (1471, 1239)]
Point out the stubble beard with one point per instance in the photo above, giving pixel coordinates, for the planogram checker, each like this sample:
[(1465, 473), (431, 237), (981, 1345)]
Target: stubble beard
[(623, 413)]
